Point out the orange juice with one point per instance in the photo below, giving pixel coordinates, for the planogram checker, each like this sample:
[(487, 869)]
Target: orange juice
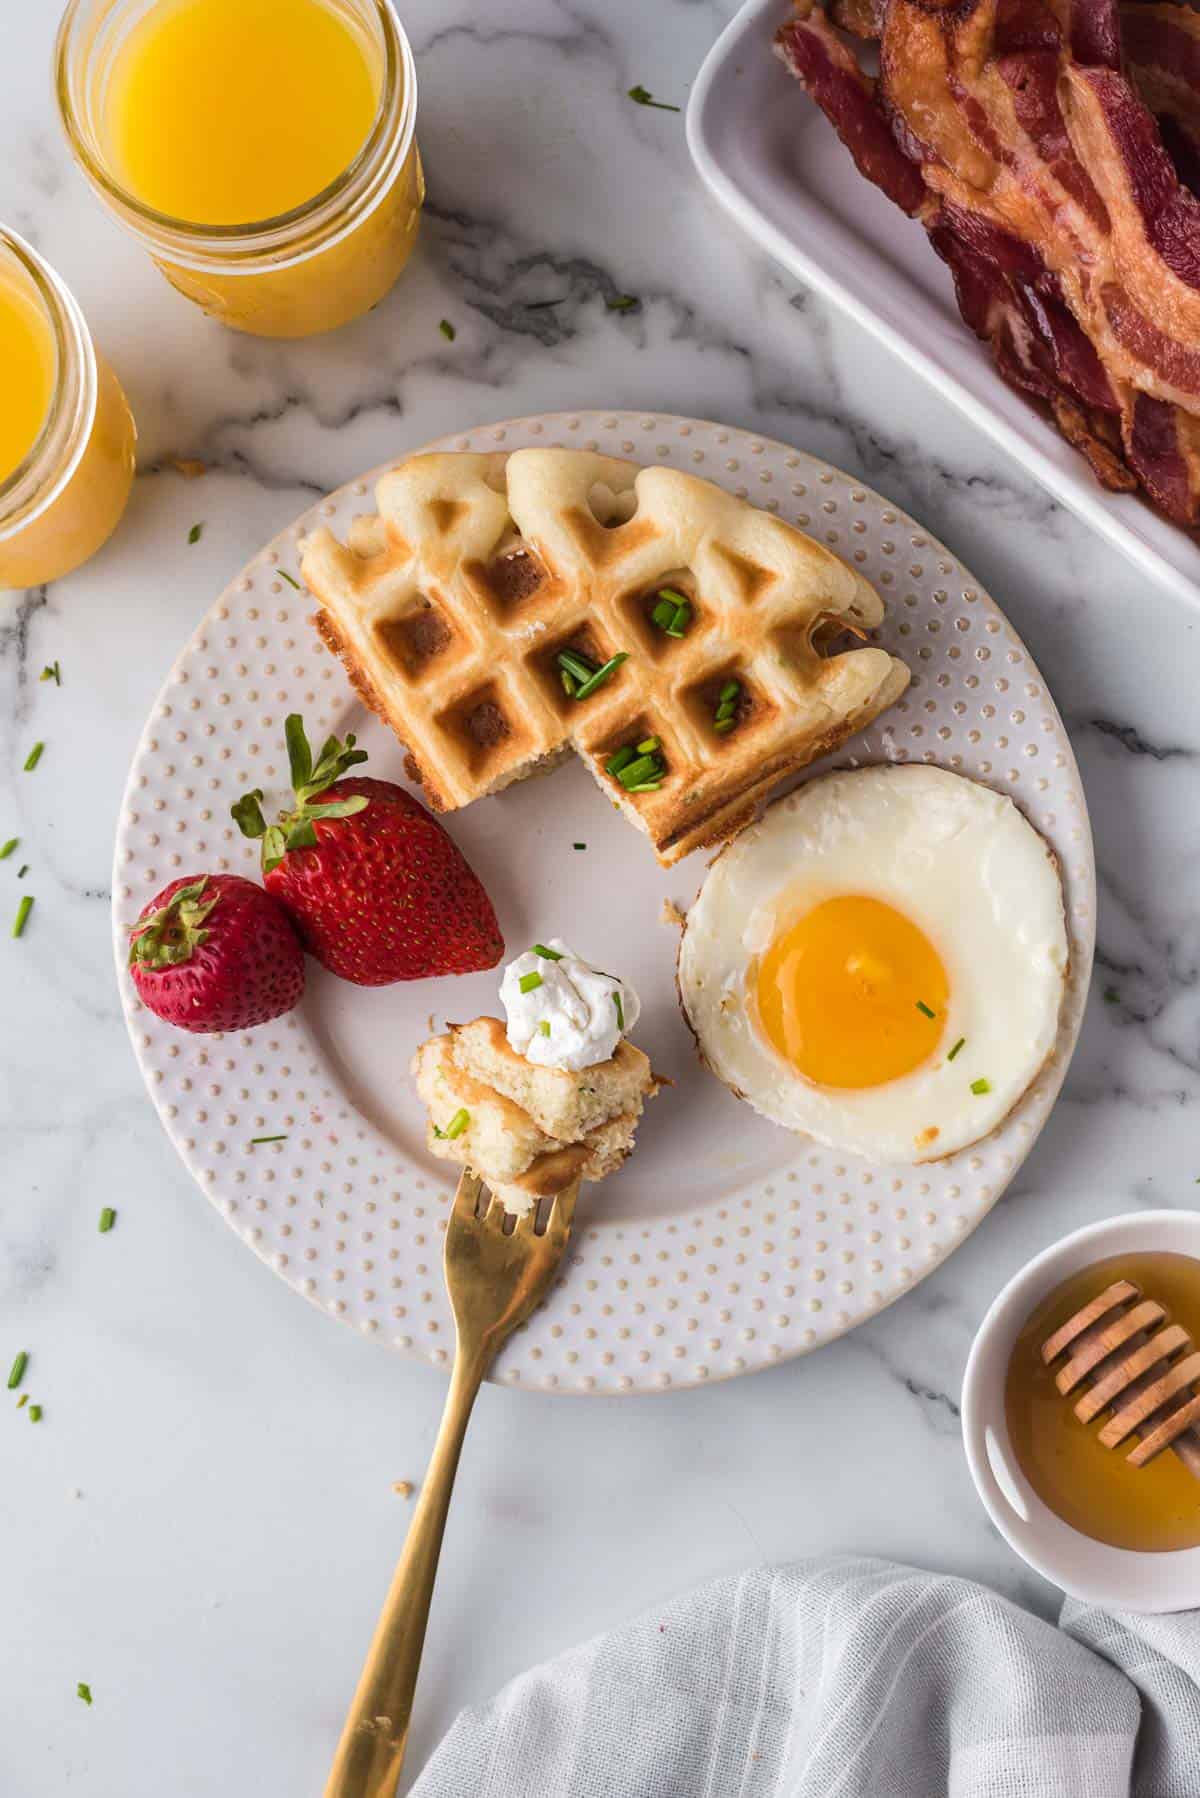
[(66, 434), (27, 358), (262, 150), (223, 112)]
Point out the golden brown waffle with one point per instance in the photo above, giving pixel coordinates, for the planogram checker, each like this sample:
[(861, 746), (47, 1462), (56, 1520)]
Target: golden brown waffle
[(451, 606)]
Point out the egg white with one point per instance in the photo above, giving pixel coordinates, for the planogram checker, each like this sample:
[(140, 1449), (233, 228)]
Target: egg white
[(959, 861)]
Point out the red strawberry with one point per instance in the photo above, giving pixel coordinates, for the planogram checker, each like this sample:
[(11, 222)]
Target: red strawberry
[(214, 952), (376, 888)]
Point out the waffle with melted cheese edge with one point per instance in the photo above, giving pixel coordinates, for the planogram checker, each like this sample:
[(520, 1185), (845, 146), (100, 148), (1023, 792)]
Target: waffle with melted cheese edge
[(530, 1131), (450, 606)]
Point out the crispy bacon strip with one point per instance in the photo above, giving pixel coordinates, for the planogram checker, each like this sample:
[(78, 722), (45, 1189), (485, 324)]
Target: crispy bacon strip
[(830, 72), (1054, 175)]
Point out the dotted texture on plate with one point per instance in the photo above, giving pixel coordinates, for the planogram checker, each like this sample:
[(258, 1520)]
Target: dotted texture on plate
[(353, 1222)]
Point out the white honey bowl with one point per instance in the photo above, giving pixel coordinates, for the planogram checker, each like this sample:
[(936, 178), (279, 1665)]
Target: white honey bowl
[(1117, 1578)]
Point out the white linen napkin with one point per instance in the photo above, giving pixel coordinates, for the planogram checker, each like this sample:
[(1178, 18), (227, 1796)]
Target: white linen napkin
[(844, 1678)]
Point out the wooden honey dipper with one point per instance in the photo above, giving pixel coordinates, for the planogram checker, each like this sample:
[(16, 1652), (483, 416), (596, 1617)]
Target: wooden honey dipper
[(1149, 1389)]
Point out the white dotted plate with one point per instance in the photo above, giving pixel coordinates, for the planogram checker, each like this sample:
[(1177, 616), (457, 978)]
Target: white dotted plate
[(725, 1243)]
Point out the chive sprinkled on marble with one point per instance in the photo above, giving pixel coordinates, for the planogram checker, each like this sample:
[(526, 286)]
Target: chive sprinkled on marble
[(644, 97), (84, 1691), (7, 848), (53, 672), (447, 330), (22, 917), (16, 1372), (34, 757), (108, 1218), (196, 532)]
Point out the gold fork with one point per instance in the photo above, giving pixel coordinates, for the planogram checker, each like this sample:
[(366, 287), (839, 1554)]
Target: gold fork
[(497, 1269)]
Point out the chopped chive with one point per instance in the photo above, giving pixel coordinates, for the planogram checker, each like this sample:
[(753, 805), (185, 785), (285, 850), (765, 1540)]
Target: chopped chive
[(645, 786), (579, 845), (108, 1218), (439, 1133), (954, 1051), (53, 672), (602, 674), (458, 1124), (644, 97), (724, 724), (1111, 996), (257, 1139), (447, 330), (674, 595), (285, 576), (569, 686), (529, 983), (22, 1401), (547, 954), (196, 532), (23, 870), (544, 1026), (924, 1009), (572, 663), (35, 1414), (22, 917), (681, 620), (726, 709), (16, 1372), (84, 1691), (620, 1011), (644, 767), (621, 759), (34, 757), (622, 302), (981, 1086), (649, 746), (8, 848), (663, 614), (729, 691)]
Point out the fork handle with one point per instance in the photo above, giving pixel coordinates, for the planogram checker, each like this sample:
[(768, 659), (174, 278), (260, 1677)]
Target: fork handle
[(375, 1735)]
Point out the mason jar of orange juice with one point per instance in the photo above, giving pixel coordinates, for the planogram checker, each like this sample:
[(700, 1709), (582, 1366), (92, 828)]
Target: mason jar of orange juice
[(263, 151), (66, 434)]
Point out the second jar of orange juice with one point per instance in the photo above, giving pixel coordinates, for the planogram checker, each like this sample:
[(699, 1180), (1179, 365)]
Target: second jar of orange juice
[(262, 150), (66, 434)]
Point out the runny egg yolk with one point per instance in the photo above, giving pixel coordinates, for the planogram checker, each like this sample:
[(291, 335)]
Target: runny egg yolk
[(845, 992)]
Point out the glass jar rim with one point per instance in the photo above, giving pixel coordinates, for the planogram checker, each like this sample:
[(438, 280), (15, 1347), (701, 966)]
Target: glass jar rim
[(53, 456), (256, 236)]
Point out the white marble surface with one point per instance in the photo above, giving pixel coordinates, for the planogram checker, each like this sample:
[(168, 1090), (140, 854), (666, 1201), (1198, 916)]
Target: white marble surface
[(203, 1524)]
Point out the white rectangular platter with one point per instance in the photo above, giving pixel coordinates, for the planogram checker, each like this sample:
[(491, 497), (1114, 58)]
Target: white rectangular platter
[(775, 162)]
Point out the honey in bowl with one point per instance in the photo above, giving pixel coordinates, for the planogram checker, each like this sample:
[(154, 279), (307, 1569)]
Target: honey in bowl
[(1093, 1488)]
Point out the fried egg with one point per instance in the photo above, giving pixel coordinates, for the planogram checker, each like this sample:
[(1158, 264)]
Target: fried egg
[(879, 962)]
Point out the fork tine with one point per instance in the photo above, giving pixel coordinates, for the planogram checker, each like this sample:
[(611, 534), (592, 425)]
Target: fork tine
[(466, 1196)]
